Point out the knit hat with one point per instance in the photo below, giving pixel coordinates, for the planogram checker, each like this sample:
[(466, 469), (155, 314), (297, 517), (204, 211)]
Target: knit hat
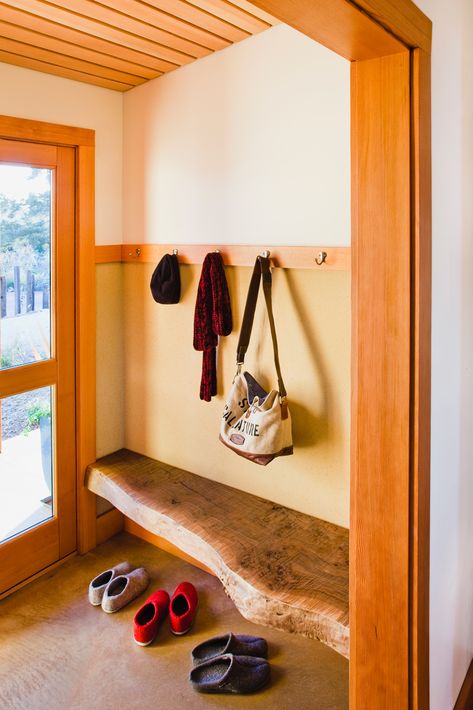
[(166, 281)]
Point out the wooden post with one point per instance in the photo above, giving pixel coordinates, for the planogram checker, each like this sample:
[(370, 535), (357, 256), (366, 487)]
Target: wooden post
[(17, 289), (3, 297), (29, 292)]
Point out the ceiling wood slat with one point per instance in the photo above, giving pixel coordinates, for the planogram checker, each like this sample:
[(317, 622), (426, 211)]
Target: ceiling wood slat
[(119, 36), (230, 13), (29, 63), (28, 37), (201, 18), (75, 37), (110, 18), (46, 55), (167, 22), (251, 9), (119, 44)]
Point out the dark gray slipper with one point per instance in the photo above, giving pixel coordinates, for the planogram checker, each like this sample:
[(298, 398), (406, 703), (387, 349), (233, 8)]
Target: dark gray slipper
[(230, 674), (239, 645)]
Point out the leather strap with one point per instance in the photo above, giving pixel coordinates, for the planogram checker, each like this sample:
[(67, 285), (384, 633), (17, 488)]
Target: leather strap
[(261, 271)]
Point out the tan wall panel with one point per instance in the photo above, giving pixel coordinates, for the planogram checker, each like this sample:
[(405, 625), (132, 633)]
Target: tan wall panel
[(110, 359), (166, 419)]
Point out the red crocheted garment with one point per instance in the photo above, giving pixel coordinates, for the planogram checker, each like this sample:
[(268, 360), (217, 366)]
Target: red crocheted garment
[(212, 317)]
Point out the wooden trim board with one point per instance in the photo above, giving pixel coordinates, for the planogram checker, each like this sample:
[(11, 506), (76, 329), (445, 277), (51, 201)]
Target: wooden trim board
[(286, 257)]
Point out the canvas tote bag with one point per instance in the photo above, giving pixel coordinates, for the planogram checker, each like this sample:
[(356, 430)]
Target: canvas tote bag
[(257, 424)]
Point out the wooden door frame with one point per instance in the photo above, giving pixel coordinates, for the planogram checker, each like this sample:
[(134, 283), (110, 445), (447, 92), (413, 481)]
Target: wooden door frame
[(388, 43), (83, 141)]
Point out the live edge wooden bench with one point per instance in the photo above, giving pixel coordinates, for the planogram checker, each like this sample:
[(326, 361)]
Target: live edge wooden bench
[(281, 568)]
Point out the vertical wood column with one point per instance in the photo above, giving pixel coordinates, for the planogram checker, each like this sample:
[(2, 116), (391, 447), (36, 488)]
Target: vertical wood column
[(381, 357), (85, 344)]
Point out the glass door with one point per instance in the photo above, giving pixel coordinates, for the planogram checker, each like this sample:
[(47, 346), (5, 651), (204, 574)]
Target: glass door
[(37, 344)]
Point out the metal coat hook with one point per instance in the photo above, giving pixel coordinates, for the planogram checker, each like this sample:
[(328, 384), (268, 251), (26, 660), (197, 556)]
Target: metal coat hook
[(321, 258), (266, 254), (137, 252), (175, 252)]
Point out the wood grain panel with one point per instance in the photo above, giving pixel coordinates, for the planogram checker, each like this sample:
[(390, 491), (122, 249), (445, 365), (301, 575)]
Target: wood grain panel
[(192, 14), (281, 568), (107, 253), (421, 374), (97, 29), (64, 338), (380, 415), (403, 18), (27, 377), (43, 132), (48, 68), (337, 24), (167, 22), (24, 556), (58, 46), (338, 258), (67, 62), (230, 13), (50, 30), (85, 343)]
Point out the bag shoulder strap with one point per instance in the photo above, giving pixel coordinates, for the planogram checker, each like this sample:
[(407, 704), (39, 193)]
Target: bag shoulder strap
[(261, 271)]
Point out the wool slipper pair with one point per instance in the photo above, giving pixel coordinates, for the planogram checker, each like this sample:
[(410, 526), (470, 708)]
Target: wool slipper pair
[(230, 664), (117, 586), (182, 607)]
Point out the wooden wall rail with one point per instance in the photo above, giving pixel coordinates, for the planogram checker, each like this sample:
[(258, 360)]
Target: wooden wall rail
[(336, 259)]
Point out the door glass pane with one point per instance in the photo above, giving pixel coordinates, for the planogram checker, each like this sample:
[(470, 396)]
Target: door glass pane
[(25, 264), (25, 462)]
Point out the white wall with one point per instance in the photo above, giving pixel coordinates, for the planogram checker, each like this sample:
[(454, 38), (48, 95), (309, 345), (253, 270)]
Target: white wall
[(250, 145), (452, 349), (44, 97)]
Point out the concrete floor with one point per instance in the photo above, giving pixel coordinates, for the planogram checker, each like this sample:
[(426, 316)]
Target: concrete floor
[(57, 652)]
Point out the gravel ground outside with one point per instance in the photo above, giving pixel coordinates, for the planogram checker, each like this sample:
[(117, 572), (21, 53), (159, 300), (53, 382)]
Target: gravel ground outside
[(15, 410)]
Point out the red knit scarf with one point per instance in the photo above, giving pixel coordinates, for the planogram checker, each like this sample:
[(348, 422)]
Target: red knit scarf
[(212, 317)]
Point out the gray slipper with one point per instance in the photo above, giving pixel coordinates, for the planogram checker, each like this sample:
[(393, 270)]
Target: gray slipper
[(123, 589), (239, 645), (230, 674), (98, 584)]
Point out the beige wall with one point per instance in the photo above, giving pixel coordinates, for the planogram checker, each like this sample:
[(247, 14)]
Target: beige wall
[(110, 359), (43, 97), (167, 420), (249, 145)]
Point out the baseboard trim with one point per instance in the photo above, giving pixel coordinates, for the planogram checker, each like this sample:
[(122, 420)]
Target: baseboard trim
[(465, 699)]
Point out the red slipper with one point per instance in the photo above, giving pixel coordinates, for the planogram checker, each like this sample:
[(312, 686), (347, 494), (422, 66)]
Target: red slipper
[(149, 616), (183, 608)]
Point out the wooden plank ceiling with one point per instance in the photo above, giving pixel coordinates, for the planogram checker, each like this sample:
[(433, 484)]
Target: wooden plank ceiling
[(119, 44)]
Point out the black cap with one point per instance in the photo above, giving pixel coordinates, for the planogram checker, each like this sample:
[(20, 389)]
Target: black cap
[(166, 281)]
